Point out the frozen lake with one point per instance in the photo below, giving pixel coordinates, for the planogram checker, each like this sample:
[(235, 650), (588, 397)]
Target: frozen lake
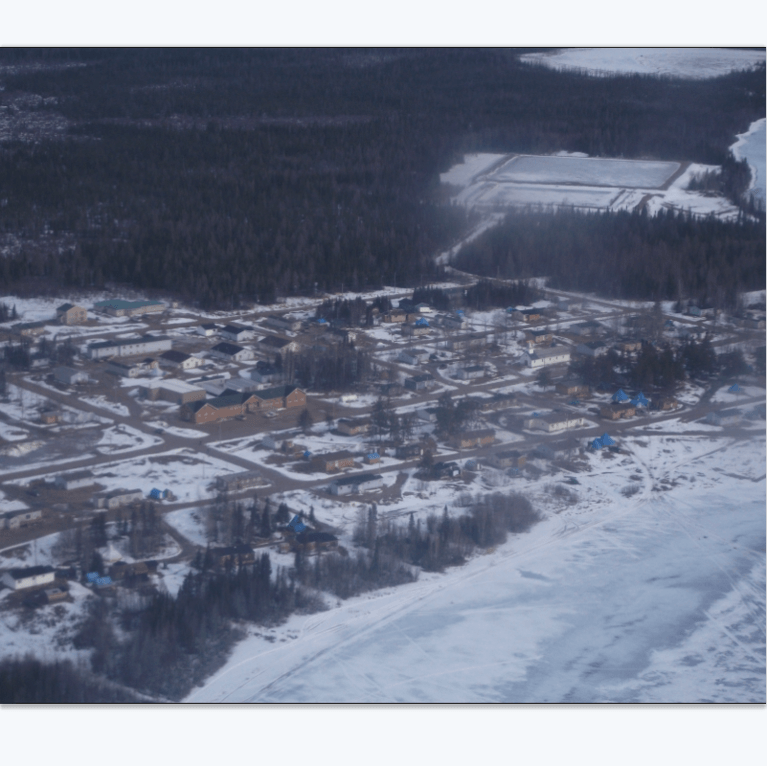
[(585, 171), (655, 599)]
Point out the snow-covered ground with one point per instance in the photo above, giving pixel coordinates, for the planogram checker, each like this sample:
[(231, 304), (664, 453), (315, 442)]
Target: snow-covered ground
[(658, 597), (122, 438), (694, 63), (185, 472), (751, 147)]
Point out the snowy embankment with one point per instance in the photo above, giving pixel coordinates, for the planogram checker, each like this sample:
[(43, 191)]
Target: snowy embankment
[(656, 597)]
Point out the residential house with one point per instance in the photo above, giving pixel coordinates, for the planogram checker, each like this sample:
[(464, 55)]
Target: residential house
[(18, 519), (508, 459), (617, 411), (538, 337), (395, 316), (265, 372), (593, 348), (333, 461), (116, 498), (413, 356), (279, 397), (29, 329), (545, 357), (470, 439), (571, 388), (420, 382), (235, 555), (353, 427), (231, 352), (497, 402), (75, 480), (554, 422), (286, 323), (28, 577), (70, 314), (242, 480), (178, 360), (416, 329), (471, 373), (132, 368), (236, 333), (664, 403), (272, 344), (207, 330), (442, 470), (466, 342), (311, 541), (70, 376), (351, 485), (589, 327), (212, 410)]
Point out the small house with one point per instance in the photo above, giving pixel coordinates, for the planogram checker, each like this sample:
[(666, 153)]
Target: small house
[(353, 427), (70, 314), (75, 480), (593, 348), (207, 330), (352, 485), (178, 360), (116, 498), (508, 459), (242, 480), (231, 352), (479, 438), (333, 461), (471, 373), (18, 519), (420, 382), (413, 356), (70, 376), (448, 470), (543, 357), (617, 411), (236, 333), (28, 577)]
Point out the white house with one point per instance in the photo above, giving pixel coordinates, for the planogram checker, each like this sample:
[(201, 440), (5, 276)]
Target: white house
[(593, 348), (70, 376), (236, 333), (231, 352), (559, 421), (543, 357), (413, 356), (207, 330), (28, 577), (75, 480), (471, 373), (349, 485), (178, 360)]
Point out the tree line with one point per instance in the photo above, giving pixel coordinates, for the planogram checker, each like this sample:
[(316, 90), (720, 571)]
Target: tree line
[(228, 176), (668, 256)]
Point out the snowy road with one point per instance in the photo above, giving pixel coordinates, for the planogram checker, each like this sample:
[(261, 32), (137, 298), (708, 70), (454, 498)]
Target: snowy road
[(656, 598)]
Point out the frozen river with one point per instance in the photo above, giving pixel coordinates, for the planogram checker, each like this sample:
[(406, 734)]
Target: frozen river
[(658, 598)]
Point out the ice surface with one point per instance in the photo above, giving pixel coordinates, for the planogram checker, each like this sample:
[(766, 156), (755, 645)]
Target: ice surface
[(590, 171), (695, 63), (656, 598)]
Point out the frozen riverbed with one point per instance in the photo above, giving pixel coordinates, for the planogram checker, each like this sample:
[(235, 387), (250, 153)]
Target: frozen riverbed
[(660, 598)]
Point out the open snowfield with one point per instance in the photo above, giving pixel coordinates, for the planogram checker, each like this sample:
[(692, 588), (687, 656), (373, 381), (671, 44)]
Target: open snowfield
[(694, 63), (187, 472), (751, 147), (589, 171), (659, 597)]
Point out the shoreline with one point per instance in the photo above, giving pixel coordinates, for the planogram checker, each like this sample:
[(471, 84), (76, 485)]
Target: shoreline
[(742, 138)]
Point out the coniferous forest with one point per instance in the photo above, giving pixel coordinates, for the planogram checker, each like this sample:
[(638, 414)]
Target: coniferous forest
[(231, 175)]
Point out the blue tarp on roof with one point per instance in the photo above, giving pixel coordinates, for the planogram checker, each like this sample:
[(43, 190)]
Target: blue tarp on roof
[(597, 444), (607, 440), (155, 494), (297, 525), (734, 388), (640, 401), (620, 396), (422, 322), (574, 403), (92, 576), (374, 456)]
